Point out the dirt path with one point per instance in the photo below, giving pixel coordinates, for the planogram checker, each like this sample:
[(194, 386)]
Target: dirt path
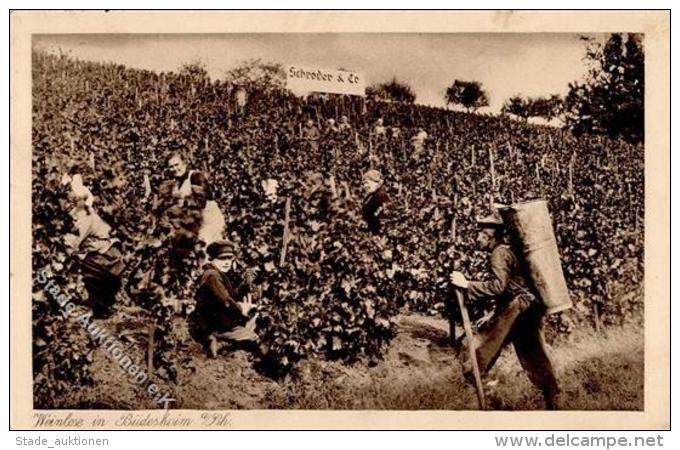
[(419, 371)]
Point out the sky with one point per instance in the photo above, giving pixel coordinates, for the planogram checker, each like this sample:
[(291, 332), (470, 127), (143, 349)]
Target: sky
[(506, 64)]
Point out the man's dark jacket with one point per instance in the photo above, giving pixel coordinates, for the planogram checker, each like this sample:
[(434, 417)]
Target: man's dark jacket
[(373, 209), (216, 307)]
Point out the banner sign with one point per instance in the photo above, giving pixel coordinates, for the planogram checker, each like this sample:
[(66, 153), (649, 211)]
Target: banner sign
[(305, 79)]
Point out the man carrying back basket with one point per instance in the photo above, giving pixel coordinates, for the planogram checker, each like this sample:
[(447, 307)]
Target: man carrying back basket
[(521, 311)]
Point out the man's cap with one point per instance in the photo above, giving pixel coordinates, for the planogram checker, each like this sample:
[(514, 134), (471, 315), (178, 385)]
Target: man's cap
[(221, 248), (373, 175), (490, 221)]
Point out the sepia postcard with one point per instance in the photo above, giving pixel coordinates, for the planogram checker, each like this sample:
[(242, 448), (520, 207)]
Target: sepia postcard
[(340, 220)]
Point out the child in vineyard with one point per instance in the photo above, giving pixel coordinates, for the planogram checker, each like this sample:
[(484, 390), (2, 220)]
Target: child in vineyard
[(223, 310)]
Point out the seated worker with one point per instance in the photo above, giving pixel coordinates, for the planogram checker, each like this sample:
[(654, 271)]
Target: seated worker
[(222, 314)]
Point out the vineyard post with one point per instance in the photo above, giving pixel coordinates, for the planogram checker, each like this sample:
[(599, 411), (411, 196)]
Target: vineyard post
[(149, 349), (631, 203), (334, 189), (147, 186), (538, 178), (433, 165), (460, 296), (286, 232), (596, 316), (492, 170)]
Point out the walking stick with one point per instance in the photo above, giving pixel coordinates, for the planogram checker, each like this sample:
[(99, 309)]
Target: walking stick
[(460, 296)]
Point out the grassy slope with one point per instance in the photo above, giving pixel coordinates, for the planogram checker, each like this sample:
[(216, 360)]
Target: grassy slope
[(419, 371)]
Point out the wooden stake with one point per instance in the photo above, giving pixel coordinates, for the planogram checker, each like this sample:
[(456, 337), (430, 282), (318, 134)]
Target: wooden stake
[(596, 315), (492, 170), (286, 232), (149, 349), (334, 190), (147, 186), (460, 296), (571, 173)]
